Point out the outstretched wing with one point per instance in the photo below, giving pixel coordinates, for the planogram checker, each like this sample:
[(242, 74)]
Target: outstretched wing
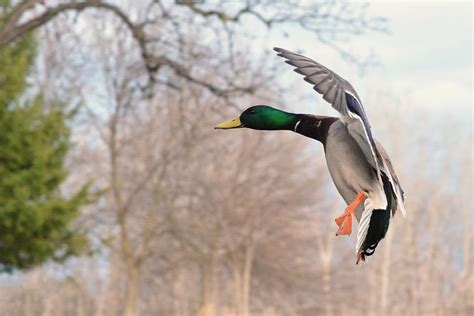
[(342, 96)]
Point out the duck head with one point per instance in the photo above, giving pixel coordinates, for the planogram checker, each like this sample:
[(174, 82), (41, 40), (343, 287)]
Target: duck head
[(262, 117)]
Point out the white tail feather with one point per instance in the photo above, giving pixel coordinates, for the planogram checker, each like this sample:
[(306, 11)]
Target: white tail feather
[(364, 224)]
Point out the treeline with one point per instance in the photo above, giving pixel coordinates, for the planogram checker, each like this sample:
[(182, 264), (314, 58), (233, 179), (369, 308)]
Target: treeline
[(185, 220)]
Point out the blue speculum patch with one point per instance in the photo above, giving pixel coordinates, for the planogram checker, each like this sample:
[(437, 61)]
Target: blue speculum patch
[(356, 108)]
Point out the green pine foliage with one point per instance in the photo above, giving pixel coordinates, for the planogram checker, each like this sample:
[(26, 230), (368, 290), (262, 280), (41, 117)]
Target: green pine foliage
[(35, 218)]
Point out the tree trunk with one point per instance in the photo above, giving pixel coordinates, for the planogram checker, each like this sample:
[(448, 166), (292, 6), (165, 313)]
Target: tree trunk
[(373, 293), (327, 284), (249, 252), (179, 301), (386, 272), (27, 303), (207, 281), (132, 291), (237, 288)]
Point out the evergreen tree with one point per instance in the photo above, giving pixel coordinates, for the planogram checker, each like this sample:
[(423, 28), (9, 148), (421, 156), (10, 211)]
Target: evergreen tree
[(35, 219)]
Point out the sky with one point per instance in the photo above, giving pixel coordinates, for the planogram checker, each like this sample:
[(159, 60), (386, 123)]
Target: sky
[(426, 57), (428, 53)]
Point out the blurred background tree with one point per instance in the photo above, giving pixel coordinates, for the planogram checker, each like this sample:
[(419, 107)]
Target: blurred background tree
[(195, 221), (35, 217)]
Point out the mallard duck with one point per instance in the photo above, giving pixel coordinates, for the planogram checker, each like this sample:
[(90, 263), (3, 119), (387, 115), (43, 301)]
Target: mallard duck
[(359, 166)]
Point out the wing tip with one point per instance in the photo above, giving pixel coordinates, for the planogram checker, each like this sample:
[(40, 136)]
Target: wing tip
[(281, 52)]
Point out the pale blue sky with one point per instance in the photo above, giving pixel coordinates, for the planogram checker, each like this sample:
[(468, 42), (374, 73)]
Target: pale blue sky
[(426, 58), (428, 53)]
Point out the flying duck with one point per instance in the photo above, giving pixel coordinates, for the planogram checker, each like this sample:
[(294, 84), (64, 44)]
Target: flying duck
[(359, 166)]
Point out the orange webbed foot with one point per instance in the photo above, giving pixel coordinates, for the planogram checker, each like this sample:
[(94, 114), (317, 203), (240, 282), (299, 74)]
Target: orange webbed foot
[(345, 224), (345, 220)]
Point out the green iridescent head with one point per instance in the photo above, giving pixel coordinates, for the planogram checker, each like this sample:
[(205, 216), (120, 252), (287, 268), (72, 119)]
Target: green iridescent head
[(262, 117)]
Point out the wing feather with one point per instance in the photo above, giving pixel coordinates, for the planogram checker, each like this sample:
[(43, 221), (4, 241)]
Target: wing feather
[(387, 168), (309, 68)]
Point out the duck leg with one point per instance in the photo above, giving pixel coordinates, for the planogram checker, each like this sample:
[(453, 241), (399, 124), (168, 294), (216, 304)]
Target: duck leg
[(345, 220)]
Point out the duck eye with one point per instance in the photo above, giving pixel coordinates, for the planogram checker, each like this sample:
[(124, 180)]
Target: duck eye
[(252, 112)]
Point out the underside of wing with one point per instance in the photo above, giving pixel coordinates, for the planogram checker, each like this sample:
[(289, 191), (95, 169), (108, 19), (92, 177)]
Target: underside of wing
[(324, 81)]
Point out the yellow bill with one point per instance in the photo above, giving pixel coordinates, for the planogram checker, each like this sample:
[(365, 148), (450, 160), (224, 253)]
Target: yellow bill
[(235, 123)]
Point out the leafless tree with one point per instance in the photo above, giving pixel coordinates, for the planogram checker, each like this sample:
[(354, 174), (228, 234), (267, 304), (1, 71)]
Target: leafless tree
[(194, 221)]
